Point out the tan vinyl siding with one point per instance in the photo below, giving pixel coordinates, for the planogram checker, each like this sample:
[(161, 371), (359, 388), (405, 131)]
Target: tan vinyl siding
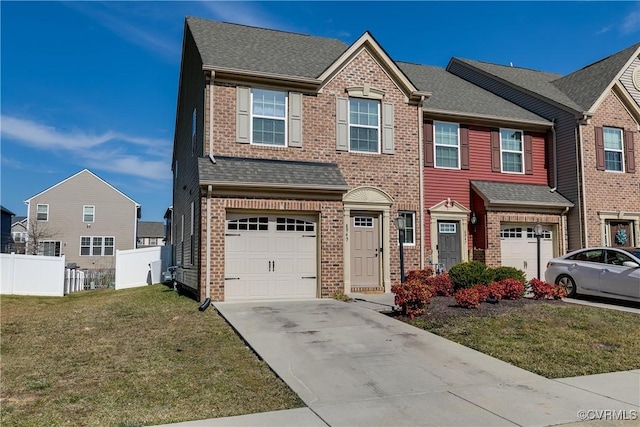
[(627, 80), (115, 216)]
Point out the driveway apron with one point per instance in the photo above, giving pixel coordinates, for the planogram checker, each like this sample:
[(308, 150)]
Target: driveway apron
[(353, 366)]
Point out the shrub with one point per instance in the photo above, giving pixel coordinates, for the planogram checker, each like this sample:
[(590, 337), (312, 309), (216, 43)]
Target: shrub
[(541, 289), (512, 289), (441, 285), (502, 273), (421, 275), (341, 296), (412, 297), (468, 297), (483, 292), (559, 292), (495, 290), (468, 274)]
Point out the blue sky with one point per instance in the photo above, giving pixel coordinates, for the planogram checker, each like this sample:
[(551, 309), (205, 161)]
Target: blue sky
[(94, 84)]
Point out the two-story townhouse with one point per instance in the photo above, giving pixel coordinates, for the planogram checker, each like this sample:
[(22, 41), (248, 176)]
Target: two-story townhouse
[(293, 156), (85, 219), (596, 112), (151, 233), (20, 234), (486, 177)]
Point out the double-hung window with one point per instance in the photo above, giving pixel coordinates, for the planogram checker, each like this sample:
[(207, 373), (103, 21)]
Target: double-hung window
[(511, 150), (49, 248), (409, 227), (447, 145), (613, 149), (97, 246), (88, 213), (42, 213), (364, 125), (269, 117)]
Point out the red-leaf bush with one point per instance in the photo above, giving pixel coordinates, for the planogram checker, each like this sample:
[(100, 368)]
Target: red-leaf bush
[(541, 289), (559, 292), (421, 275), (412, 297), (512, 289), (468, 297), (483, 292), (441, 285), (495, 290)]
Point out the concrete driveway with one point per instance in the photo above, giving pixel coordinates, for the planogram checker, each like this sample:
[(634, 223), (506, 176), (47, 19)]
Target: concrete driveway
[(356, 367)]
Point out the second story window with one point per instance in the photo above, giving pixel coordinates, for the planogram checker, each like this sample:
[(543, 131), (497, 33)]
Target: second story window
[(88, 213), (42, 213), (511, 150), (364, 125), (613, 157), (269, 117), (447, 145)]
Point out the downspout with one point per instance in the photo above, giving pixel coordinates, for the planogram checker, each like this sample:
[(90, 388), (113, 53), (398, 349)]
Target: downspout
[(421, 173), (207, 274), (555, 156), (211, 77), (582, 184), (565, 234)]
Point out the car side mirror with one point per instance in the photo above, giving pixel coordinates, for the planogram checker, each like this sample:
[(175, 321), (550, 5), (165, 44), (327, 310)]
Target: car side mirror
[(631, 264)]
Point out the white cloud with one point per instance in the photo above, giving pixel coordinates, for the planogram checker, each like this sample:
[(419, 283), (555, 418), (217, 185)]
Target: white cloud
[(110, 151), (631, 23), (241, 13)]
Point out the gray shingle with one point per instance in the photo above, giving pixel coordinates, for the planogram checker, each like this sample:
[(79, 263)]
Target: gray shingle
[(587, 84), (505, 193), (150, 229), (453, 94), (261, 50), (271, 173)]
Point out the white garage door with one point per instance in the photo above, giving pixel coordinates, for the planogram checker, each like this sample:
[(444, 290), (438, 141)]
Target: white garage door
[(270, 257), (519, 248)]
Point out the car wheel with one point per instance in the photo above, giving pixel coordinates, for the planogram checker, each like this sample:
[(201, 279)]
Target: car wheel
[(568, 284)]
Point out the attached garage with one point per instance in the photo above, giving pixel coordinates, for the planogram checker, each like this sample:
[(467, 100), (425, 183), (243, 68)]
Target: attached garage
[(270, 256), (518, 245)]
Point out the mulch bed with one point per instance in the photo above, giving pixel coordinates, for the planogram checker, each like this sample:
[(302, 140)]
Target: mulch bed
[(443, 309)]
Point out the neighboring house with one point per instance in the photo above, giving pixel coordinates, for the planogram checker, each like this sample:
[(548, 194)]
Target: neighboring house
[(6, 243), (593, 160), (292, 157), (20, 233), (84, 218), (168, 226), (485, 176), (150, 233)]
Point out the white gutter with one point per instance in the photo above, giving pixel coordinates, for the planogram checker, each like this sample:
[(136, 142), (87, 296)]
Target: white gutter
[(582, 182), (208, 244), (555, 156), (421, 173), (211, 77)]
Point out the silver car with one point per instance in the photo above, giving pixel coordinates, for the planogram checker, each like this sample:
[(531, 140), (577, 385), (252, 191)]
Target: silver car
[(605, 272)]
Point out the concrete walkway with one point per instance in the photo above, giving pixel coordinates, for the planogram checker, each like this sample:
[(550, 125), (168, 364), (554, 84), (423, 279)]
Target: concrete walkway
[(353, 366)]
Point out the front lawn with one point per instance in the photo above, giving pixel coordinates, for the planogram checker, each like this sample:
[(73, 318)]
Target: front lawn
[(551, 338), (141, 356)]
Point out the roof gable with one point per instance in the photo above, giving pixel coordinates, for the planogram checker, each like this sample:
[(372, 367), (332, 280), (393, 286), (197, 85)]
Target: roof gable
[(587, 85), (229, 47), (84, 171)]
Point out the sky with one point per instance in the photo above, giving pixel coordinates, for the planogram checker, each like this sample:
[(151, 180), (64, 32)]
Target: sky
[(94, 84)]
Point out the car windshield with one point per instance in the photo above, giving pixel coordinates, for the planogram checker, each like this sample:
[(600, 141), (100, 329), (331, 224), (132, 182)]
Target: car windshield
[(633, 251)]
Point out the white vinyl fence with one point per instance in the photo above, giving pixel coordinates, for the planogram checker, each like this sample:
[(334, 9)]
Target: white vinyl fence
[(32, 275), (141, 267)]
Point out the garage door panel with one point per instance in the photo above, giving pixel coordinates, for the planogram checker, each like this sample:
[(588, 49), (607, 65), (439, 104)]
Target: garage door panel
[(259, 243), (519, 248)]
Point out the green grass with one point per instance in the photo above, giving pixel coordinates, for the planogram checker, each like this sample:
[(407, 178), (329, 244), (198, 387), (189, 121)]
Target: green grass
[(553, 340), (134, 357)]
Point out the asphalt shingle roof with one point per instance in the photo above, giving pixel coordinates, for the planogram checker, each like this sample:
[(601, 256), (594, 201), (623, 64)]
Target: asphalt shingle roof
[(262, 50), (271, 173), (453, 94), (150, 229), (519, 194)]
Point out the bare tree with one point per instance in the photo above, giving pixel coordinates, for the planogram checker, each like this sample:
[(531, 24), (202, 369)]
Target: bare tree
[(37, 233)]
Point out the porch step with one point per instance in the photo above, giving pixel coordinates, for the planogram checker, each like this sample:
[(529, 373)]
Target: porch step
[(367, 289)]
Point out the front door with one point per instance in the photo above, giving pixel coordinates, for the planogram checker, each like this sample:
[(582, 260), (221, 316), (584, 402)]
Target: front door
[(365, 251), (620, 232), (449, 253)]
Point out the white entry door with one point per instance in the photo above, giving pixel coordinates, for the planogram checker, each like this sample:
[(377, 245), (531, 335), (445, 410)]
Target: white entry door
[(270, 257), (519, 248)]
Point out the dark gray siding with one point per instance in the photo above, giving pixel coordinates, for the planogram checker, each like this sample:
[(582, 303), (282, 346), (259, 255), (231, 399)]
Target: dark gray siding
[(186, 187), (627, 83), (567, 155)]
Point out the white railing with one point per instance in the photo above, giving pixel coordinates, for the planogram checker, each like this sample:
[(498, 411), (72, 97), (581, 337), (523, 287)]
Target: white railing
[(73, 280)]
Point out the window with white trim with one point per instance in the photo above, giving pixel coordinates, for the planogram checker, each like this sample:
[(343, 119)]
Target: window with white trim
[(268, 117), (194, 116), (447, 145), (42, 212), (97, 245), (512, 150), (49, 248), (409, 227), (364, 125), (511, 233), (363, 221), (88, 213), (447, 227), (19, 236), (613, 150)]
